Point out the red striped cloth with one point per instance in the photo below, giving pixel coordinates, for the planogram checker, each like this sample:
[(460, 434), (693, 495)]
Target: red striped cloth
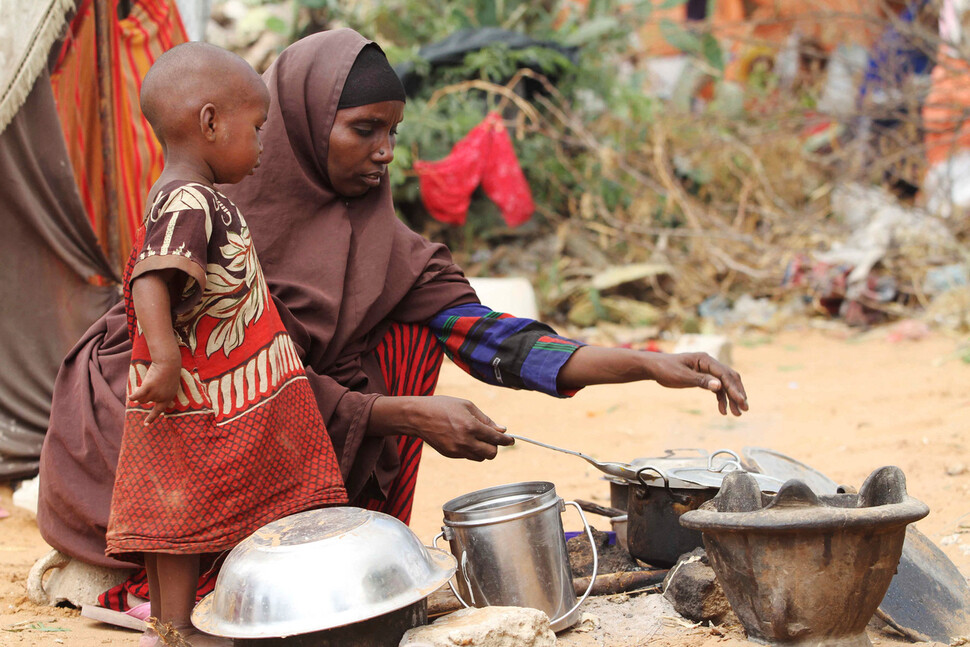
[(152, 27), (410, 359)]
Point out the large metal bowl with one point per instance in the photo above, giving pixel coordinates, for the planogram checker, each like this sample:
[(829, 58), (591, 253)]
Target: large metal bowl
[(318, 570)]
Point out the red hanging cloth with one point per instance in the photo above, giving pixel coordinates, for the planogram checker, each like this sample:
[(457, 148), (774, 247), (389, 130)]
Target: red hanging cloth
[(484, 156)]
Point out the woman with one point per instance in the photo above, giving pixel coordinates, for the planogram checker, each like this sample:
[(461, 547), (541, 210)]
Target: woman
[(371, 306)]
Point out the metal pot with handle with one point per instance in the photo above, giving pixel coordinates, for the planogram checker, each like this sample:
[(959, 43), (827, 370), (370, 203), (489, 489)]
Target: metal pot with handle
[(511, 550), (654, 507), (660, 496)]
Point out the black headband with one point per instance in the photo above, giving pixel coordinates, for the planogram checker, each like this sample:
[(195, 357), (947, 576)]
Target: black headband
[(371, 80)]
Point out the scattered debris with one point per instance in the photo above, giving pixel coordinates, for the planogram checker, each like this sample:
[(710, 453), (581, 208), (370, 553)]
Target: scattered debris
[(36, 625), (940, 279), (908, 330), (25, 495), (614, 276), (717, 346), (587, 622), (956, 469), (167, 634)]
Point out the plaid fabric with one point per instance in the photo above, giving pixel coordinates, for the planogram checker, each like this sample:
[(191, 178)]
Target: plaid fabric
[(503, 350)]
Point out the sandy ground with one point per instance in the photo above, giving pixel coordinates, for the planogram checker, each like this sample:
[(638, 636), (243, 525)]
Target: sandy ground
[(845, 403)]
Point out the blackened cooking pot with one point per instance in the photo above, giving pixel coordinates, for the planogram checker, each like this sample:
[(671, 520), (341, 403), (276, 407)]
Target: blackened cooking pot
[(662, 494), (654, 507), (383, 631)]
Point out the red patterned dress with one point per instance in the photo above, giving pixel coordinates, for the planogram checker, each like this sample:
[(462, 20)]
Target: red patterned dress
[(244, 443)]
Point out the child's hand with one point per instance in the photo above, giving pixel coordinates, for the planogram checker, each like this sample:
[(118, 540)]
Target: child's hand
[(160, 386)]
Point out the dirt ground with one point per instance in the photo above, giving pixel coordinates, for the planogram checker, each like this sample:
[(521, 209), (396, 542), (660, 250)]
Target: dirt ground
[(843, 402)]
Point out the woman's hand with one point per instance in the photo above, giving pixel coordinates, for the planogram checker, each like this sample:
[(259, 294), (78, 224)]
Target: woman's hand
[(595, 365), (686, 370), (455, 428), (160, 386)]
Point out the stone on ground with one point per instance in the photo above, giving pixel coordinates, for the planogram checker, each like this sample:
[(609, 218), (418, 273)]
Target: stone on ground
[(694, 591), (488, 627)]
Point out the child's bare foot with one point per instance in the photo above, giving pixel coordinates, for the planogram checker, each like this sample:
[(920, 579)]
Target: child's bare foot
[(198, 638), (149, 639), (170, 635), (186, 635)]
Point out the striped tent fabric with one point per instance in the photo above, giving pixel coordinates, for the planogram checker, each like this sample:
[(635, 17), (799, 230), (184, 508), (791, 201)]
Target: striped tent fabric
[(151, 27)]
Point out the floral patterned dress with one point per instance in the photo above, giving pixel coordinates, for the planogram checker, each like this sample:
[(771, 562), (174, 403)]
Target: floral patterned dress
[(244, 443)]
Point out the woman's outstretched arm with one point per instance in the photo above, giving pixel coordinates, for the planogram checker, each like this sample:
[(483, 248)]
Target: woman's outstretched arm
[(528, 357)]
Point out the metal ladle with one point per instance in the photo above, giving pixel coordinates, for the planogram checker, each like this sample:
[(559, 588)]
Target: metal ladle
[(619, 470)]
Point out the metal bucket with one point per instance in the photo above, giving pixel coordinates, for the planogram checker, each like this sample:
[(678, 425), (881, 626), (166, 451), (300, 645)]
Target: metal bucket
[(511, 550)]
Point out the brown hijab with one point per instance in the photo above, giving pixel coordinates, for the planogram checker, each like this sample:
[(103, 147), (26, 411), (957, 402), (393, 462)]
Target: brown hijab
[(341, 269)]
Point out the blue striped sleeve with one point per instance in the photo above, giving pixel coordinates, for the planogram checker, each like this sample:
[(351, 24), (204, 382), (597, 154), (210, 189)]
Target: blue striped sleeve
[(503, 350)]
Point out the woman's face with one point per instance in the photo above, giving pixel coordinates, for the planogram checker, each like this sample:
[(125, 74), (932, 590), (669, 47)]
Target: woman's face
[(362, 145)]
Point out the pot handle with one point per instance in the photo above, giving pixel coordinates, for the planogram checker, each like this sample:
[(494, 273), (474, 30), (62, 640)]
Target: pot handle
[(592, 545), (35, 578), (676, 498), (736, 462), (592, 580), (464, 562)]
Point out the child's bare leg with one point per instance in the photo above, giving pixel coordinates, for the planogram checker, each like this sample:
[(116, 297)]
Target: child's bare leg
[(178, 577), (149, 638), (154, 594)]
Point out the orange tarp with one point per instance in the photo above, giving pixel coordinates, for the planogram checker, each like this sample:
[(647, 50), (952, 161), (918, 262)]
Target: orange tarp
[(152, 27), (727, 18), (945, 114), (770, 22), (828, 22)]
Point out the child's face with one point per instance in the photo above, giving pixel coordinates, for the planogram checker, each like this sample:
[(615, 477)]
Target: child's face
[(238, 145)]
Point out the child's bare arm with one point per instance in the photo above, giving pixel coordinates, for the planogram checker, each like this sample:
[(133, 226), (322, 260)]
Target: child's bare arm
[(153, 307)]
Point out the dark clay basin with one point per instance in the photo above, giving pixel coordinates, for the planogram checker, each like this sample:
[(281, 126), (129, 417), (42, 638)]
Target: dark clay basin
[(801, 569)]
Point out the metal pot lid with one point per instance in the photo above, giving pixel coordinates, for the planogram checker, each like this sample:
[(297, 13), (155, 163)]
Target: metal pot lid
[(782, 467), (665, 479), (679, 457), (686, 469), (711, 478), (499, 503), (318, 570)]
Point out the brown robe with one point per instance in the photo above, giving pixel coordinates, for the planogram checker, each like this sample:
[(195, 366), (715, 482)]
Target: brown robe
[(339, 269)]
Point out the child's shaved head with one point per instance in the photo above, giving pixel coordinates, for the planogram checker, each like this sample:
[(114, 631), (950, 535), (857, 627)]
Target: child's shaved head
[(186, 78)]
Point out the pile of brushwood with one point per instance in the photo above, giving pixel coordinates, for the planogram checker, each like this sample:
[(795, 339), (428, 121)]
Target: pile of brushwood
[(646, 207)]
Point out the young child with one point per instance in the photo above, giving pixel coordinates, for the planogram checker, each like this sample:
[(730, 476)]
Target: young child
[(222, 431)]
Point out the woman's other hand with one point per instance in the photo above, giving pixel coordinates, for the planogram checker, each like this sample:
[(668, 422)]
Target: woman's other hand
[(595, 365), (454, 427)]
